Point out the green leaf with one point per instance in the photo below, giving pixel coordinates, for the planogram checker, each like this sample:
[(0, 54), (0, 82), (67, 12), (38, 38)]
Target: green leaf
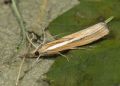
[(98, 65)]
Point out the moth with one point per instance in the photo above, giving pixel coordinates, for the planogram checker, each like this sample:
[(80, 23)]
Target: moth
[(76, 39)]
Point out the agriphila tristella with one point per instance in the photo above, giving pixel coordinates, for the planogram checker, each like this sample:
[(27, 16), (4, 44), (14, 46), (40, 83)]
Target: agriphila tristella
[(71, 41), (79, 38)]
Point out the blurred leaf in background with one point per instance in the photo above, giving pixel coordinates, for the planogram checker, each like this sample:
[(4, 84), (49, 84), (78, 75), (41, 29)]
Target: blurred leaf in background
[(96, 66)]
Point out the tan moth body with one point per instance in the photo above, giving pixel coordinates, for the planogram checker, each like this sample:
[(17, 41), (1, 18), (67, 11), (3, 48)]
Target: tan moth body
[(79, 38)]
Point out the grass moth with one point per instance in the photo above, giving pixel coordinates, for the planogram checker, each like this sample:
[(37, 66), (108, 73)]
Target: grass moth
[(76, 39)]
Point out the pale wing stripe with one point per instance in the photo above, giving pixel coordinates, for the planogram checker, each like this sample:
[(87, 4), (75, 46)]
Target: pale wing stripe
[(60, 44)]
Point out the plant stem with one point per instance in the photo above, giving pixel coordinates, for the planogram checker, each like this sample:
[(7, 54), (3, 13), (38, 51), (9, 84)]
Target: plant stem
[(20, 21), (109, 19)]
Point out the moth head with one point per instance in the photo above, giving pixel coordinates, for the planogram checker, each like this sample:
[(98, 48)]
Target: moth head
[(32, 54), (36, 53)]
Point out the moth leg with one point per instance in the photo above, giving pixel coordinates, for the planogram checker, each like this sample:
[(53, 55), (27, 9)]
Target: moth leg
[(55, 36), (43, 42), (31, 39), (37, 60), (64, 56)]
